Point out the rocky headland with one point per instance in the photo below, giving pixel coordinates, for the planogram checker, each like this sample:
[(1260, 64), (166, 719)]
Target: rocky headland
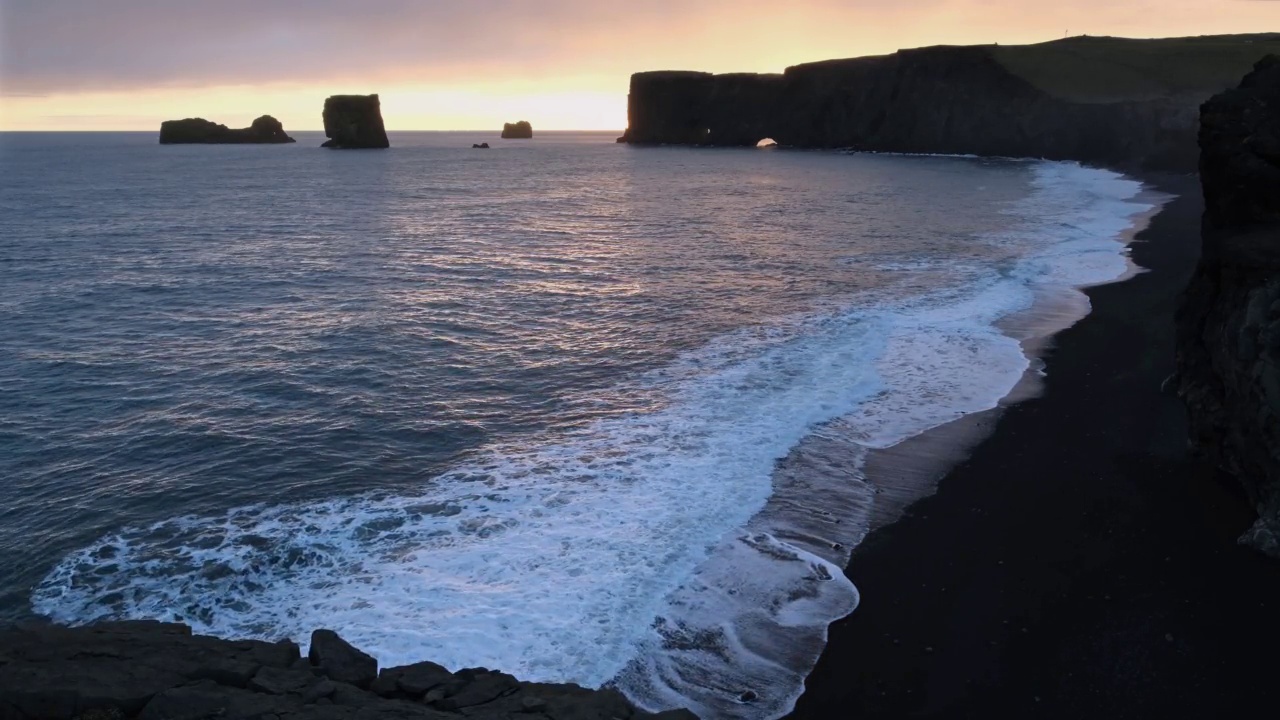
[(1229, 322), (1131, 104), (517, 131), (265, 129), (161, 671), (354, 122)]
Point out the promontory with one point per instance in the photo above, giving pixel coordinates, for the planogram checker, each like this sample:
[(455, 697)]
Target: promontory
[(1117, 102), (354, 122), (265, 129)]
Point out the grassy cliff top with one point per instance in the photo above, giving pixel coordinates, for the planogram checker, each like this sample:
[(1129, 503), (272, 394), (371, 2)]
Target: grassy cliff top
[(1108, 69)]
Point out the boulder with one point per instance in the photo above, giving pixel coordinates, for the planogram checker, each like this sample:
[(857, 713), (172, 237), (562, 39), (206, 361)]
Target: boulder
[(1228, 347), (480, 146), (340, 661), (411, 680), (264, 130), (517, 131), (354, 122)]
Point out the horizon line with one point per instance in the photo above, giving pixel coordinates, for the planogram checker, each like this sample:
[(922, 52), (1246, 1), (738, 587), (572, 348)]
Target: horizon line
[(321, 130)]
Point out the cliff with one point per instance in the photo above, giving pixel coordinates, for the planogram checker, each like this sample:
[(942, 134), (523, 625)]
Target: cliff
[(354, 122), (517, 131), (1229, 321), (265, 129), (160, 671), (1109, 101)]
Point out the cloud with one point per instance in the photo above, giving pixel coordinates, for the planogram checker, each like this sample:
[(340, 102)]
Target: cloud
[(77, 46), (111, 44)]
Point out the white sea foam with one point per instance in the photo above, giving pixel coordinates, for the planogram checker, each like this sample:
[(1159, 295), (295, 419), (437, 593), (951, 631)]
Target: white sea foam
[(659, 551)]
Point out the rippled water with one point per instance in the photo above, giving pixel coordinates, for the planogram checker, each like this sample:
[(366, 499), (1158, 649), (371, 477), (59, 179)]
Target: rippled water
[(536, 408)]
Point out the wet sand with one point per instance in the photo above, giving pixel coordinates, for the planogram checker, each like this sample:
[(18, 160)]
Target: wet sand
[(1075, 560)]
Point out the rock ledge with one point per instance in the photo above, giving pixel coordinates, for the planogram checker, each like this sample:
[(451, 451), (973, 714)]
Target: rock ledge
[(161, 671)]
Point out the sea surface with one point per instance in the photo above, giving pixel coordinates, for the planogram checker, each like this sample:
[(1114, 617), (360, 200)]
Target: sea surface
[(543, 408)]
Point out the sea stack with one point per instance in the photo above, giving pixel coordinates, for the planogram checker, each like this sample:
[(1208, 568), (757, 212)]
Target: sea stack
[(517, 131), (354, 122), (264, 130), (1229, 322)]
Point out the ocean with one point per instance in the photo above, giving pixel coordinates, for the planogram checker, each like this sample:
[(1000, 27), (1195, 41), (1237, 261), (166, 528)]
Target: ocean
[(574, 410)]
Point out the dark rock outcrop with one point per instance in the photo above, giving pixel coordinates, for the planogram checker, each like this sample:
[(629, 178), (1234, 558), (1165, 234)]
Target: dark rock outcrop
[(1229, 322), (944, 100), (161, 671), (265, 129), (354, 122), (480, 146), (517, 131), (337, 659)]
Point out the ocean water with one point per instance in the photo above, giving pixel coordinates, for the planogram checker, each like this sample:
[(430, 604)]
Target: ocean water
[(575, 410)]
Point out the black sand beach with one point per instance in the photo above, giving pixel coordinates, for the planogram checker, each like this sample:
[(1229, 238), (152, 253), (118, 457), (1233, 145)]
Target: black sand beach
[(1079, 563)]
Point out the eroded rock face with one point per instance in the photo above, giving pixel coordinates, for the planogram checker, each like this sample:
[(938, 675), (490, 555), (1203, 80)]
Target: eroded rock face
[(1229, 322), (517, 131), (265, 129), (945, 100), (354, 122), (161, 671)]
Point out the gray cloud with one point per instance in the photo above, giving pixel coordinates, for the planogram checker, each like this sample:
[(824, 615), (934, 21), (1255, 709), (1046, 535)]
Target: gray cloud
[(52, 46), (61, 45)]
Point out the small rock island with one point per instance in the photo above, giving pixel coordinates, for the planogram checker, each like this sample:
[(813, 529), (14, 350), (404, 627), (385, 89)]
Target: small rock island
[(354, 122), (264, 130), (517, 131)]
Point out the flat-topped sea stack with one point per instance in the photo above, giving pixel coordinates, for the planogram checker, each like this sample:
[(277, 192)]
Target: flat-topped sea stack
[(1112, 101), (264, 130), (1229, 322), (517, 131), (354, 122)]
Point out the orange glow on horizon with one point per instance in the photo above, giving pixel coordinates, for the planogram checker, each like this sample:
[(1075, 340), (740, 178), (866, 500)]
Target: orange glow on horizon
[(575, 76)]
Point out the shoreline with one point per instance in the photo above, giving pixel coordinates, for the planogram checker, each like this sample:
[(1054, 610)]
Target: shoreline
[(1063, 565), (911, 470)]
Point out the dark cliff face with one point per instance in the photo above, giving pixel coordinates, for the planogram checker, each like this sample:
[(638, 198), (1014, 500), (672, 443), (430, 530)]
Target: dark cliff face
[(354, 122), (1229, 322), (522, 130), (265, 129), (946, 100)]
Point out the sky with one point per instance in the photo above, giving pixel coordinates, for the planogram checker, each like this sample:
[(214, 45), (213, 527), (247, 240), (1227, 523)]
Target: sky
[(475, 64)]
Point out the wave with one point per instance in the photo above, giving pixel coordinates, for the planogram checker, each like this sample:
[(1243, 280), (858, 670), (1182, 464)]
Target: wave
[(691, 555)]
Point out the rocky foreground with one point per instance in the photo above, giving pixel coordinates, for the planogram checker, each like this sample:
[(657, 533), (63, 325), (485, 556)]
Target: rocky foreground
[(161, 671)]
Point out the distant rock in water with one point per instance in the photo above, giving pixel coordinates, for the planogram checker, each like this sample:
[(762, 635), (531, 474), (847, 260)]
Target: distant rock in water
[(517, 131), (1229, 324), (353, 122), (480, 146), (265, 129), (161, 671)]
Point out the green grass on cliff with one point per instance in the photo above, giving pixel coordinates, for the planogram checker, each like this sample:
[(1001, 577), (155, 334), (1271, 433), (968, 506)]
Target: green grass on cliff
[(1105, 69)]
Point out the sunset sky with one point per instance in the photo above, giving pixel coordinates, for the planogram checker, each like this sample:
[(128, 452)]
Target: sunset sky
[(474, 64)]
